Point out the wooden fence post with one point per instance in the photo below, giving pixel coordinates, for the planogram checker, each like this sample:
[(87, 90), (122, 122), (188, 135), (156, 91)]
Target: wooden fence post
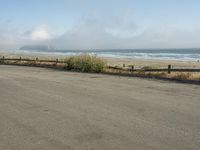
[(3, 60), (132, 68), (169, 69)]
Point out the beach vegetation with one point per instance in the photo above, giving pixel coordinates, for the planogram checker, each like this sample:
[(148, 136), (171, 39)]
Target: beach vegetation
[(85, 63), (149, 67), (183, 76)]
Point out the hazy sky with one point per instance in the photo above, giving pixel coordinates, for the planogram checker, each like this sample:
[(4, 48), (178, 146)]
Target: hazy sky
[(100, 24)]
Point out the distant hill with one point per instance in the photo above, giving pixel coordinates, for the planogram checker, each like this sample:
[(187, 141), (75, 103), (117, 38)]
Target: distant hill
[(37, 47)]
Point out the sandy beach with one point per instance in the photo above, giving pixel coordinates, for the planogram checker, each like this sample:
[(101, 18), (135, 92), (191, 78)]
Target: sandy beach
[(45, 109), (151, 62), (114, 61)]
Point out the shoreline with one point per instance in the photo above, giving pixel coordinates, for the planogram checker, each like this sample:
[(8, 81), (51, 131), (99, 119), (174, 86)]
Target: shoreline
[(113, 61)]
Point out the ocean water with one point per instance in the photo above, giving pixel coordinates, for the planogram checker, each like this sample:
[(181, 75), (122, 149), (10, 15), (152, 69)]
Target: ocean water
[(160, 54)]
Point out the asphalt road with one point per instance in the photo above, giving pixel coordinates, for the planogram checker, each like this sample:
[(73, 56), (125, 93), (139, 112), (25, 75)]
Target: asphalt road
[(43, 109)]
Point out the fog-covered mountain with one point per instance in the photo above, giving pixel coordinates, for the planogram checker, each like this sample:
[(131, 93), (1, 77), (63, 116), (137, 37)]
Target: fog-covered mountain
[(37, 47)]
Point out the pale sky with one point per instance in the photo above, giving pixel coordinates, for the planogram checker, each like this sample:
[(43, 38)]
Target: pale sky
[(100, 24)]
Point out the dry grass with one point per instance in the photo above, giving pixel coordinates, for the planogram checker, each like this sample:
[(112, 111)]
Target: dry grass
[(175, 75), (182, 76), (156, 74), (185, 76)]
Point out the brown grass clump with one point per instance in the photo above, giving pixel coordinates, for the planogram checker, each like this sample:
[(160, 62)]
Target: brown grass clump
[(175, 75), (148, 67), (156, 74), (185, 76), (182, 76), (85, 63)]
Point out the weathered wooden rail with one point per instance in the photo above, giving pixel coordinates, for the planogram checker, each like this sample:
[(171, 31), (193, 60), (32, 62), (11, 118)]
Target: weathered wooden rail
[(158, 70), (3, 59), (169, 68)]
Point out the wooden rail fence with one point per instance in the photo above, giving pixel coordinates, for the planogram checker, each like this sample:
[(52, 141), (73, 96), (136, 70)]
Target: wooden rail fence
[(169, 68), (3, 59)]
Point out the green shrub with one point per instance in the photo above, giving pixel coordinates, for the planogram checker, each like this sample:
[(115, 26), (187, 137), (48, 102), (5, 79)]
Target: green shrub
[(70, 63), (85, 63), (148, 67)]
